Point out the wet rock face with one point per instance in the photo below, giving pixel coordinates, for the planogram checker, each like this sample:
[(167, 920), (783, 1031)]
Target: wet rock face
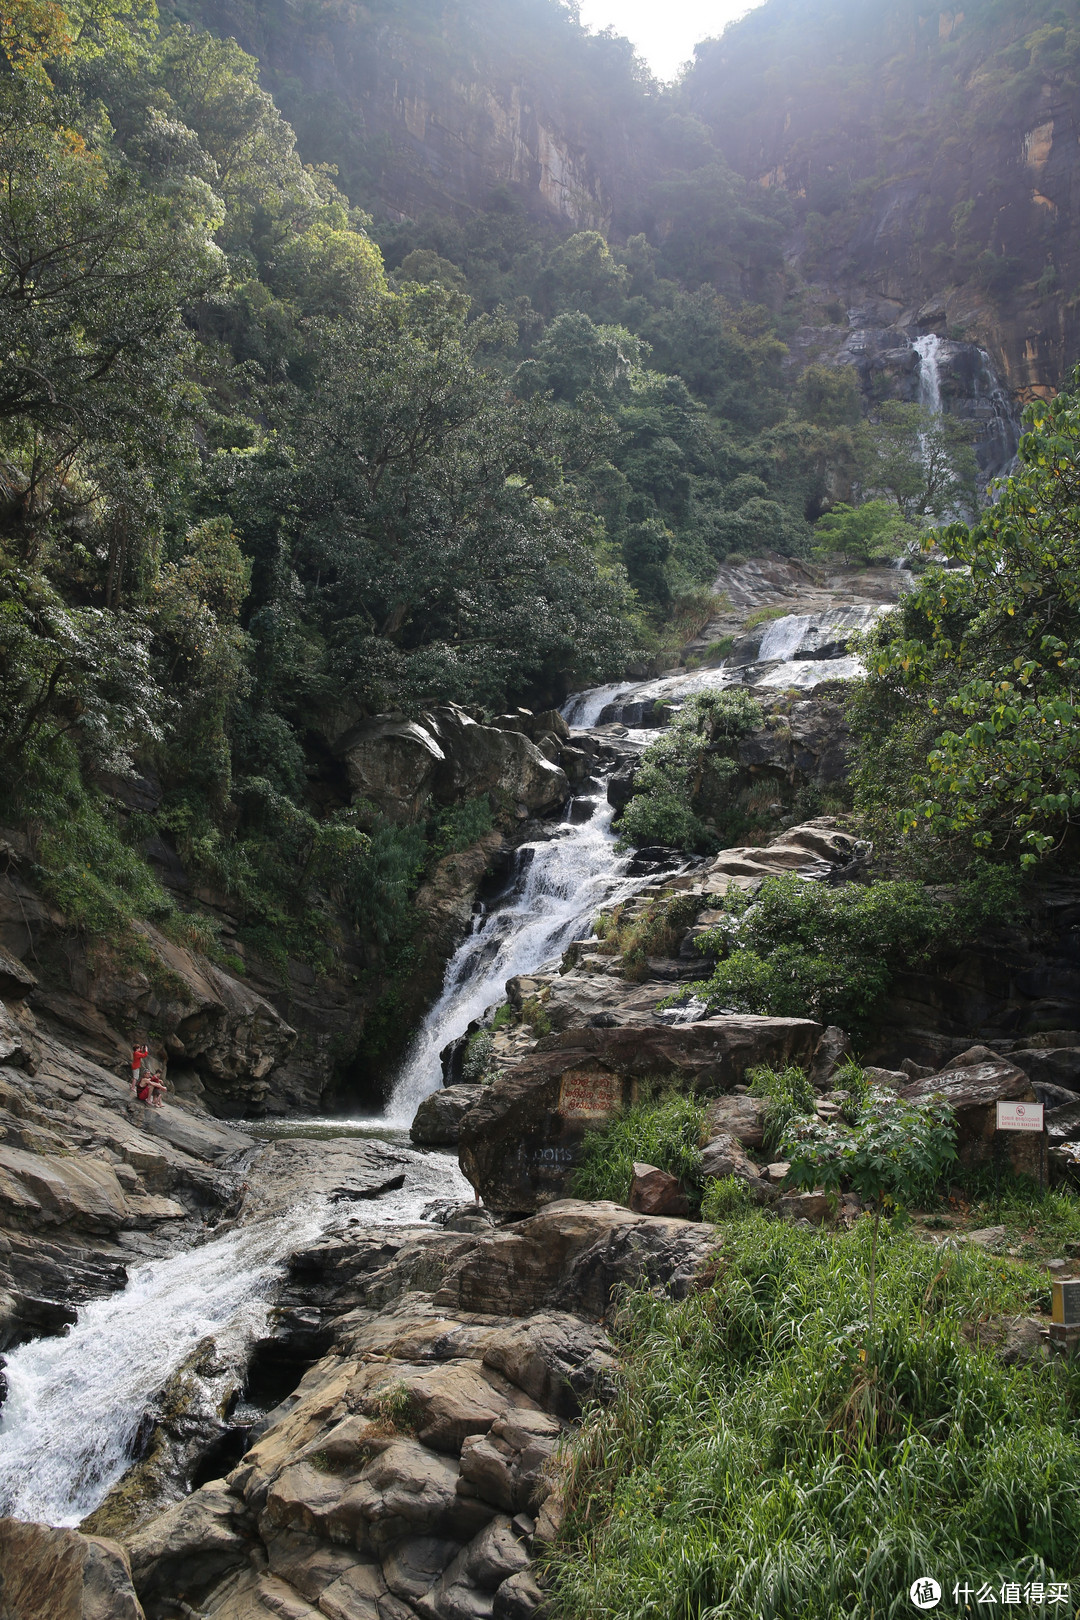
[(520, 1143)]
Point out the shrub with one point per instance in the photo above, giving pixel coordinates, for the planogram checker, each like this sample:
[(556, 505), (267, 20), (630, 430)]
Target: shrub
[(725, 1197), (805, 950), (477, 1056), (664, 1130), (895, 1155), (685, 775)]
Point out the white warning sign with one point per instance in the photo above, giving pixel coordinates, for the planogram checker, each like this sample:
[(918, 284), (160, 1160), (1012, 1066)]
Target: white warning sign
[(1019, 1116)]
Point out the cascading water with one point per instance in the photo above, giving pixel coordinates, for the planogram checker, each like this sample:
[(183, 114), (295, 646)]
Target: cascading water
[(75, 1403), (558, 887), (783, 636), (928, 349)]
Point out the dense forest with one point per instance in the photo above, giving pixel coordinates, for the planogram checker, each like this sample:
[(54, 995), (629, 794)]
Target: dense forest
[(271, 463)]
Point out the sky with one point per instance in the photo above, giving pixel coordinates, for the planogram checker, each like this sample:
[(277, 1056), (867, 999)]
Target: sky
[(664, 31)]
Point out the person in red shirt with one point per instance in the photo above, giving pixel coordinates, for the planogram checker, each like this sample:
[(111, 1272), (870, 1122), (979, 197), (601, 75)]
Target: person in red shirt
[(139, 1055)]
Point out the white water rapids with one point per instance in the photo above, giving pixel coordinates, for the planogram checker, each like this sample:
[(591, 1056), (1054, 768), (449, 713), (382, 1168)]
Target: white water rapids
[(560, 884), (75, 1402)]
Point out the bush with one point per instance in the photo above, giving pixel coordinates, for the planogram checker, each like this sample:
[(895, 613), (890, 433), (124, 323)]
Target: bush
[(725, 1197), (477, 1057), (664, 1130), (804, 950), (735, 1474), (684, 777)]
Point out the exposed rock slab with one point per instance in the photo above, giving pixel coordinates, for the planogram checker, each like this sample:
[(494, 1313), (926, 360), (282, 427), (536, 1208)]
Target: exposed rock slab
[(51, 1574), (519, 1144)]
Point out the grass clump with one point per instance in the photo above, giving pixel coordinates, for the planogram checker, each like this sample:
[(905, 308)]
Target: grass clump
[(735, 1474), (725, 1196), (789, 1096), (657, 930), (1040, 1223), (664, 1129)]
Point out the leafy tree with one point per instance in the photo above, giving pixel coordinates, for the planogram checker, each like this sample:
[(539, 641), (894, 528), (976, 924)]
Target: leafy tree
[(872, 533), (968, 716), (805, 950), (94, 273), (922, 462), (441, 549)]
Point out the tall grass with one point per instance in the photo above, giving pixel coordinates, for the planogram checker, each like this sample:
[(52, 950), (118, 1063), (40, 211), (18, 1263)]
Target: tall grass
[(664, 1129), (735, 1473)]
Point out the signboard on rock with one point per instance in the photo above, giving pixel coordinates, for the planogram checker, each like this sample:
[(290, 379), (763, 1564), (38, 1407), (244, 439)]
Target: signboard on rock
[(590, 1094), (1019, 1116)]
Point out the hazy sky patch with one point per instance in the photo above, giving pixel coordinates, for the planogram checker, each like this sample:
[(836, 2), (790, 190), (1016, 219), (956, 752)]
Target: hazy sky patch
[(664, 31)]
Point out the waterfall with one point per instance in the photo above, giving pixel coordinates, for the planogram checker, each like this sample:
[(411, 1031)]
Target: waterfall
[(928, 349), (557, 888), (999, 424), (583, 709), (782, 637), (75, 1403)]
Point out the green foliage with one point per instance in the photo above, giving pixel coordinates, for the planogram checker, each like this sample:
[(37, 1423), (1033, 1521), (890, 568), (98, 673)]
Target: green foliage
[(656, 930), (464, 825), (682, 788), (724, 1197), (789, 1095), (664, 1129), (896, 1152), (967, 719), (924, 464), (875, 532), (734, 1472), (805, 950), (477, 1059), (852, 1078)]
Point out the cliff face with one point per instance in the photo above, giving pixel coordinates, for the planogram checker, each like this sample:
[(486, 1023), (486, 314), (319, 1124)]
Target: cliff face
[(930, 156), (433, 108)]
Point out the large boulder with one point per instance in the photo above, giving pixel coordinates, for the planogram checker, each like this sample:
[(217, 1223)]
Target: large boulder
[(973, 1089), (483, 759), (520, 1142), (437, 1122), (53, 1574), (399, 765), (656, 1192), (816, 849), (738, 1116), (573, 1256), (190, 1545), (391, 763)]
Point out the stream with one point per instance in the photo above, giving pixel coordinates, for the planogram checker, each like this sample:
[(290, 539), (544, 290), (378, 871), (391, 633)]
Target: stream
[(69, 1426)]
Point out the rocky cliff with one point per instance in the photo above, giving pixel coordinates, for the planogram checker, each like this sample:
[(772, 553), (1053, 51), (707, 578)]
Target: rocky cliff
[(433, 108), (929, 155)]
